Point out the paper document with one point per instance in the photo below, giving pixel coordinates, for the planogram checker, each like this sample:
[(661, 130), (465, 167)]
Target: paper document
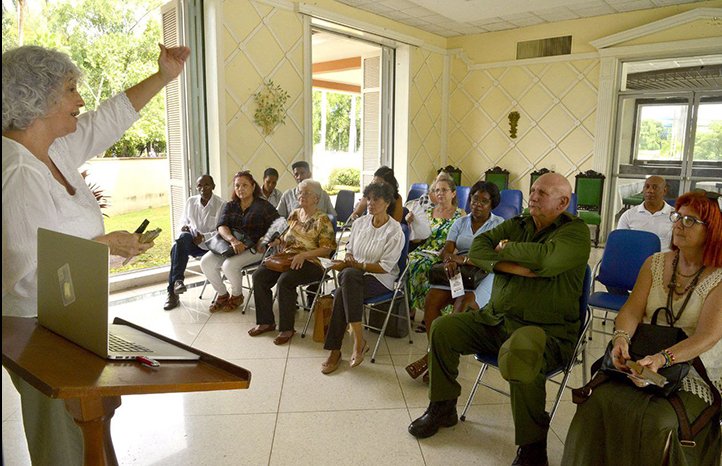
[(326, 263)]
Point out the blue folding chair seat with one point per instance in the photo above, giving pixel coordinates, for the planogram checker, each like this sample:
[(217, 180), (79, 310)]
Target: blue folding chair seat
[(624, 254), (462, 198), (578, 356), (505, 211), (417, 190)]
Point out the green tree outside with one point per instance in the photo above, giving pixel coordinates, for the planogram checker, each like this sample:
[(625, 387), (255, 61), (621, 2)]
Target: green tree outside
[(113, 43)]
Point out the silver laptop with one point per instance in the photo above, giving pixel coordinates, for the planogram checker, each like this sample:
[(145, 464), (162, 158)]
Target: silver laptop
[(73, 301)]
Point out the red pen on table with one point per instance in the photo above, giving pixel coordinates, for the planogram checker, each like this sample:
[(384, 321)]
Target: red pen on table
[(146, 361)]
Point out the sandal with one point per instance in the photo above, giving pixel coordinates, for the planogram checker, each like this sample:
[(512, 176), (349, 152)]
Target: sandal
[(416, 368), (219, 303), (421, 328), (233, 303)]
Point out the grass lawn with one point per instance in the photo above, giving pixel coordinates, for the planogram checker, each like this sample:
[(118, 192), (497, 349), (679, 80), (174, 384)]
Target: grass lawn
[(159, 254)]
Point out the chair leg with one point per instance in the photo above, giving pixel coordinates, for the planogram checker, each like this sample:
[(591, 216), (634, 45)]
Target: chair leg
[(205, 284), (310, 314), (482, 370)]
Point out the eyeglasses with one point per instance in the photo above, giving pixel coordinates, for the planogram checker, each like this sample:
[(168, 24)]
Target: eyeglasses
[(687, 220), (480, 202), (442, 190)]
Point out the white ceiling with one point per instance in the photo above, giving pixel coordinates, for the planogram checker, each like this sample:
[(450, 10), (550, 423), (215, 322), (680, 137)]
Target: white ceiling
[(450, 18)]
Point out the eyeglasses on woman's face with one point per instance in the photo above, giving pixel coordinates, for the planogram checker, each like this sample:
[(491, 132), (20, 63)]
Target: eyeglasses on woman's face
[(442, 190), (688, 221)]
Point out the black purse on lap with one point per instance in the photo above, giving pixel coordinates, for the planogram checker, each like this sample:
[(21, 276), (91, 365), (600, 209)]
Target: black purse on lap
[(471, 275)]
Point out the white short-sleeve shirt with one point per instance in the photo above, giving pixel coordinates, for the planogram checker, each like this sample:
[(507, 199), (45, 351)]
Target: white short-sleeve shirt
[(639, 218)]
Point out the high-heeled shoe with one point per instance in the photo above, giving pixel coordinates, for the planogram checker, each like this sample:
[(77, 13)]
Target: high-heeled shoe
[(358, 358), (328, 367)]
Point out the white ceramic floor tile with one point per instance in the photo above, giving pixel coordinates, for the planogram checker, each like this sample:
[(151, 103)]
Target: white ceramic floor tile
[(11, 399), (367, 386), (375, 437), (14, 446), (228, 340), (172, 438)]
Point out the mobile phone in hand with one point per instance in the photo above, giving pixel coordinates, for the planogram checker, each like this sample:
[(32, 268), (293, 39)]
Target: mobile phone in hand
[(142, 226), (149, 236)]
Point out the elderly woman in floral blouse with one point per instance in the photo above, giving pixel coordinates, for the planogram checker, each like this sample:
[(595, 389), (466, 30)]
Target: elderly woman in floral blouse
[(310, 235)]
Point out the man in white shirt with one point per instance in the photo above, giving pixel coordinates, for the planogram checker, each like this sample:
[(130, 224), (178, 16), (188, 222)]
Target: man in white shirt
[(197, 225), (289, 199), (268, 188), (653, 214)]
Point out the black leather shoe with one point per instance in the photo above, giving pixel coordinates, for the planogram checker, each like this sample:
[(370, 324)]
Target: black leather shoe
[(179, 287), (532, 454), (438, 414), (171, 302)]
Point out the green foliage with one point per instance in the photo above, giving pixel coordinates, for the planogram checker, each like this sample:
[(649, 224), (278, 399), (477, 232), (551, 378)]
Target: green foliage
[(271, 106), (159, 254), (333, 190), (650, 135), (345, 176), (113, 43), (338, 120), (708, 144)]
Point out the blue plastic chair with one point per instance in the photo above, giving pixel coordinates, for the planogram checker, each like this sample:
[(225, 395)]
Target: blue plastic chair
[(578, 356), (624, 254), (344, 204), (462, 197), (512, 197), (505, 211), (399, 292), (417, 190)]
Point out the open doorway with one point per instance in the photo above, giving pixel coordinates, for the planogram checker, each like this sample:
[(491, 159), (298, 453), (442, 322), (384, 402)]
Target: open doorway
[(351, 109)]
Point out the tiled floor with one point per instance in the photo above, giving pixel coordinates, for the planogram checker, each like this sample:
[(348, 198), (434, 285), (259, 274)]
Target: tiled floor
[(293, 414)]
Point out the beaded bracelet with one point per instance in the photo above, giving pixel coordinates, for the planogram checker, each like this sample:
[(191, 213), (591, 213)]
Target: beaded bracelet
[(668, 358), (623, 334)]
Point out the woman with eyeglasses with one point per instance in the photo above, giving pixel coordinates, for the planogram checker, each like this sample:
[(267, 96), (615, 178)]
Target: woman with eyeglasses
[(242, 222), (310, 235), (621, 424), (441, 216), (483, 197)]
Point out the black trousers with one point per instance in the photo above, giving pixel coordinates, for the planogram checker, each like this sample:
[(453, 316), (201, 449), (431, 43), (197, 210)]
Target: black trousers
[(263, 281), (353, 288)]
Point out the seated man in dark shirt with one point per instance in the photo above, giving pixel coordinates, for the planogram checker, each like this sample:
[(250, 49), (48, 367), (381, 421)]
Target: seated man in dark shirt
[(539, 262)]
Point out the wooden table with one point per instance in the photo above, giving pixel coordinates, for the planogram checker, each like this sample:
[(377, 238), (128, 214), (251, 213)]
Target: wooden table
[(92, 386)]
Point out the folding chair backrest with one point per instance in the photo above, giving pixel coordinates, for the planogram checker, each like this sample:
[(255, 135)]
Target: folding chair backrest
[(512, 197), (417, 190), (505, 211), (405, 251), (572, 207), (589, 187), (344, 204), (334, 222), (462, 197), (624, 254)]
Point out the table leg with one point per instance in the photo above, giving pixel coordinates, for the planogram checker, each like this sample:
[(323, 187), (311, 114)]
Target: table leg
[(93, 415)]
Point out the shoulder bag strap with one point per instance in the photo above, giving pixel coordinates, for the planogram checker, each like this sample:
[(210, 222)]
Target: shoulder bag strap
[(688, 432)]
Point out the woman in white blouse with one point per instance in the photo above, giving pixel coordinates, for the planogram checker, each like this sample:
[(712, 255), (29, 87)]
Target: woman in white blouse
[(45, 141), (369, 269)]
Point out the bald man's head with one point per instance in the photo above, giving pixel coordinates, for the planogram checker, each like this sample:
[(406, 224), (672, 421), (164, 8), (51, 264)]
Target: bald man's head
[(655, 190), (549, 197)]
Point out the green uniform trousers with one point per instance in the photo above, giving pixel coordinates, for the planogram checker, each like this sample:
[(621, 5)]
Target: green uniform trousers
[(472, 333)]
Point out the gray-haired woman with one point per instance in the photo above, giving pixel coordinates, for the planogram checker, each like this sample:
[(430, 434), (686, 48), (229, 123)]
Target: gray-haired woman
[(45, 141), (310, 235)]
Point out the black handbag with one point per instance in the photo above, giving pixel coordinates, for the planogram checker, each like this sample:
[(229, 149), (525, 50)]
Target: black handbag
[(471, 275), (650, 339), (218, 245)]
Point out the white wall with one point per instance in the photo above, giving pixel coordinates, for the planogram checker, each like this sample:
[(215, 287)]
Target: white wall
[(131, 183)]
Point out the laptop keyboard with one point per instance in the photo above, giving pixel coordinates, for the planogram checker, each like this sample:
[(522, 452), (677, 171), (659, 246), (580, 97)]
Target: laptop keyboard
[(118, 344)]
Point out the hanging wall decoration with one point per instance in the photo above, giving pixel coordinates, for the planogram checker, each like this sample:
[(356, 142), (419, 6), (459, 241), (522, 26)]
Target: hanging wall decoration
[(513, 122), (271, 107)]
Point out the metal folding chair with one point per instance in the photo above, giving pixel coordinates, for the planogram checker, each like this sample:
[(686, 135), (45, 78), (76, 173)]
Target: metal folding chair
[(578, 356)]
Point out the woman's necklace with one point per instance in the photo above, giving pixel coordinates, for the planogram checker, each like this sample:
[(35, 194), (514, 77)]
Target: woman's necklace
[(674, 286)]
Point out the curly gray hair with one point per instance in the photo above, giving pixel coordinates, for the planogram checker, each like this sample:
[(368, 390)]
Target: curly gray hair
[(314, 185), (33, 80)]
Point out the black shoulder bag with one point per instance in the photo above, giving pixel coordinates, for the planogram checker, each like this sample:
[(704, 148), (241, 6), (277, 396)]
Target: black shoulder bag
[(218, 245), (651, 339)]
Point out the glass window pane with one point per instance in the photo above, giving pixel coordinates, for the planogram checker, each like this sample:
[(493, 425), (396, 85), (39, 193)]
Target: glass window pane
[(708, 138), (660, 132)]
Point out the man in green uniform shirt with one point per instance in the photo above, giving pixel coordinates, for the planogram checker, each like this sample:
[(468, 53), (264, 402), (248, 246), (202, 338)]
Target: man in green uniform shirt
[(531, 320)]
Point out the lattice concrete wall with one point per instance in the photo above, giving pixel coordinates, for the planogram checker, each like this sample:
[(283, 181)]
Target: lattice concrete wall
[(556, 101), (262, 42), (425, 115)]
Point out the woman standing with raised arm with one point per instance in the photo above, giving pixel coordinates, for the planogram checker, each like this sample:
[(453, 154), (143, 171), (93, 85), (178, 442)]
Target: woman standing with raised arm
[(45, 141)]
